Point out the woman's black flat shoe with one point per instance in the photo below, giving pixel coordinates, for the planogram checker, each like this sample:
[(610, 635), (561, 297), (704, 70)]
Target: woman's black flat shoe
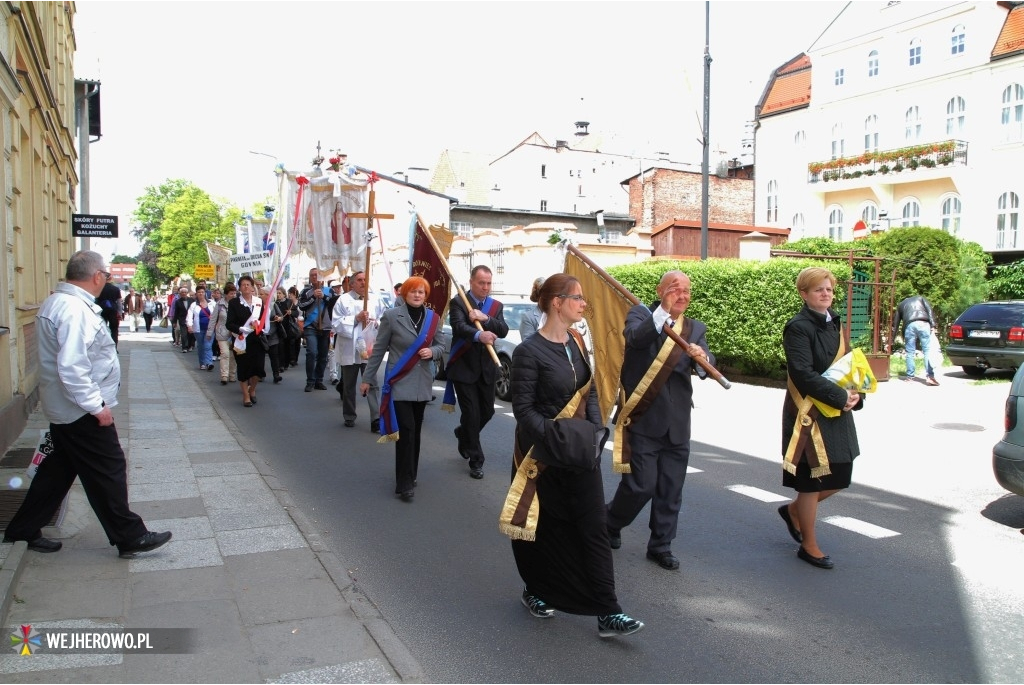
[(820, 562), (794, 533), (246, 404)]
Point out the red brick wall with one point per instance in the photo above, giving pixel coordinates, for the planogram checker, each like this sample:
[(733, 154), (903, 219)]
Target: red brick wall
[(668, 194)]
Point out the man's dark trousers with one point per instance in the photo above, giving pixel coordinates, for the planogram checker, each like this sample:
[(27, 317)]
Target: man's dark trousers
[(476, 406), (93, 453), (317, 343)]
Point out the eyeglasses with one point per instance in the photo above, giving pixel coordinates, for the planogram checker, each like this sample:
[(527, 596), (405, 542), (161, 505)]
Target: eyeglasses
[(578, 298), (106, 274)]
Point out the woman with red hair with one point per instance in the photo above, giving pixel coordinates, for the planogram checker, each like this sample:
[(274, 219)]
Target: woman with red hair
[(408, 334)]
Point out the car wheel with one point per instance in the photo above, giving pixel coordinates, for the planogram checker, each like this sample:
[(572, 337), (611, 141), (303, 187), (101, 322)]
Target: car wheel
[(503, 383), (973, 371)]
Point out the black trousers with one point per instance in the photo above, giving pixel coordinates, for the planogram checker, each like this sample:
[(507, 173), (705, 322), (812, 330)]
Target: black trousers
[(92, 453), (476, 407), (407, 449)]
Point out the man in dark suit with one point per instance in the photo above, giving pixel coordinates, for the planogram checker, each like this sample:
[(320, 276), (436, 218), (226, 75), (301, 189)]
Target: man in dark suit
[(655, 441), (110, 302), (471, 370)]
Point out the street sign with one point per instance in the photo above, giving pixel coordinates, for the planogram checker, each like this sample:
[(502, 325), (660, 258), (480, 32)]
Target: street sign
[(205, 271), (252, 261), (93, 226)]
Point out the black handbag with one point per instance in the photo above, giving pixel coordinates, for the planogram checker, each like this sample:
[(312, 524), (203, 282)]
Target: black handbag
[(264, 341)]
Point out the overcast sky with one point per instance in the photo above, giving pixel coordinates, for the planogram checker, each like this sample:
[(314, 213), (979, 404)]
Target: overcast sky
[(189, 88)]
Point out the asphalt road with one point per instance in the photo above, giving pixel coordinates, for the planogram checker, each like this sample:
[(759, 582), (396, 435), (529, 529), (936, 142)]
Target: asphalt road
[(926, 587)]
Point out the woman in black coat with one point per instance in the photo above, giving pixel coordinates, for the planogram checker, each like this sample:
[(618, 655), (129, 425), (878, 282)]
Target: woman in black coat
[(243, 312), (812, 341), (568, 566)]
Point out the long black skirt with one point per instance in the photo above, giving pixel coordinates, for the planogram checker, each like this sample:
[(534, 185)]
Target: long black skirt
[(569, 565), (839, 479), (253, 362)]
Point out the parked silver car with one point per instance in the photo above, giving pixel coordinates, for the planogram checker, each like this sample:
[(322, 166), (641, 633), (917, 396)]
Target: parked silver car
[(1008, 453), (513, 310)]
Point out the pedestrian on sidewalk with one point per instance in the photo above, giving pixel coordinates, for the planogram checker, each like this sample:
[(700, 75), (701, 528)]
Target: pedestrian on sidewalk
[(198, 323), (148, 310), (109, 300), (79, 378), (133, 309), (818, 451), (218, 325), (918, 320), (355, 329)]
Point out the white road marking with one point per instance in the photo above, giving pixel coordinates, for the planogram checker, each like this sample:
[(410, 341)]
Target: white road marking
[(757, 493), (857, 526)]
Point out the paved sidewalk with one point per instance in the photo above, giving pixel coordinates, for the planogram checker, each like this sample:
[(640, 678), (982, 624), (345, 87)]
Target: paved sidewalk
[(245, 569)]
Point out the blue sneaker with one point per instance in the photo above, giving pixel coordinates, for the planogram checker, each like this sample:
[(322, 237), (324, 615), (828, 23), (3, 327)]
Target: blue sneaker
[(537, 606), (617, 624)]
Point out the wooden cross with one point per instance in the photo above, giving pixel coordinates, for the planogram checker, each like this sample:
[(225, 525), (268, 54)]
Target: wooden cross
[(369, 215)]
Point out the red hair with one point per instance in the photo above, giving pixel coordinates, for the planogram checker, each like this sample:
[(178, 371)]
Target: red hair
[(414, 283)]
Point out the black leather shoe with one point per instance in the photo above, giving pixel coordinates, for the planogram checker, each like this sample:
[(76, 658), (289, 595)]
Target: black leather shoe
[(476, 473), (820, 562), (375, 426), (614, 538), (278, 379), (145, 543), (309, 387), (407, 496), (793, 532), (349, 423), (458, 436), (320, 386), (666, 560), (41, 544)]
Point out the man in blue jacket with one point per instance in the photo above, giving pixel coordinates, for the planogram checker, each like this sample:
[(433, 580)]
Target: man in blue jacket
[(316, 330)]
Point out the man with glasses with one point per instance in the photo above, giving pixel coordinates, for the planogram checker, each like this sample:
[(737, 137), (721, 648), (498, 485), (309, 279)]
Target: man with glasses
[(654, 423), (471, 370), (79, 375)]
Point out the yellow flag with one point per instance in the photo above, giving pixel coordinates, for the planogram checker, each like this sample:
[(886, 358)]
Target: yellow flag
[(607, 306)]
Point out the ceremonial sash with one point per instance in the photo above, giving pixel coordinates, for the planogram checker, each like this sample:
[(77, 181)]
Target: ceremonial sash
[(459, 348), (521, 511), (406, 363), (254, 319), (643, 396), (806, 440)]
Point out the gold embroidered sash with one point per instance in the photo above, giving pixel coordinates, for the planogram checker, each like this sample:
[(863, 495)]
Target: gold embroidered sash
[(806, 429)]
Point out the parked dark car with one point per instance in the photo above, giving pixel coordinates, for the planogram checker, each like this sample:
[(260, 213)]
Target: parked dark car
[(1008, 453), (989, 335)]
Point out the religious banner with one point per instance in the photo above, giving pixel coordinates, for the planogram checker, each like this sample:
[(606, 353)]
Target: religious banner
[(241, 239), (606, 317), (426, 262), (326, 232)]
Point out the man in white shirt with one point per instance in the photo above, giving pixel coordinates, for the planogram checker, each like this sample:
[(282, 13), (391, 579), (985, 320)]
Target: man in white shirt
[(354, 324), (79, 375)]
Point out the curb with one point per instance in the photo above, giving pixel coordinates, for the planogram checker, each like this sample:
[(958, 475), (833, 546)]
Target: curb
[(10, 572)]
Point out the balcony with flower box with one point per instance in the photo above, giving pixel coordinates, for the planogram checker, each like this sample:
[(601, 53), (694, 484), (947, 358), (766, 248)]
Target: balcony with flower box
[(905, 164)]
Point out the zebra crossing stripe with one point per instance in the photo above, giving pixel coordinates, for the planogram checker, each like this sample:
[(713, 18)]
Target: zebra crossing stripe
[(756, 493), (857, 526)]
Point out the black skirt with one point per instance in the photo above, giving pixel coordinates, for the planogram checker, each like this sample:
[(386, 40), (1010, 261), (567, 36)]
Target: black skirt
[(253, 362), (839, 479)]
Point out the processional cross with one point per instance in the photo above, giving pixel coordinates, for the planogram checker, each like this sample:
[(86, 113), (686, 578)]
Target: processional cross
[(369, 215)]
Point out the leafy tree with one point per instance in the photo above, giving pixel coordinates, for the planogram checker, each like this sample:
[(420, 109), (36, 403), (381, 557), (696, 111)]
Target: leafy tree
[(143, 281), (1008, 281), (189, 221), (148, 217), (122, 259)]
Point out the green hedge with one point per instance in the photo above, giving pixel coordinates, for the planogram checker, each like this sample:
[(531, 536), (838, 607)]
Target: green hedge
[(744, 303)]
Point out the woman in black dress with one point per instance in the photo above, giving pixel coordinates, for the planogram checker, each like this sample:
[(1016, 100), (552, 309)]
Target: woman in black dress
[(568, 566), (813, 341), (243, 313)]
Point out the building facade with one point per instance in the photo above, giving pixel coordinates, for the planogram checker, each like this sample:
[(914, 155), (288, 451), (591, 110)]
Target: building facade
[(901, 114), (38, 175)]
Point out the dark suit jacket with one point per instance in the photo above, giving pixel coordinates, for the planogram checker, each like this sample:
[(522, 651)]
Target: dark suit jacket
[(669, 414), (475, 363)]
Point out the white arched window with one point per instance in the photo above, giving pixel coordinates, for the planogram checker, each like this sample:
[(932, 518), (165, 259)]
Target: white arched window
[(873, 63), (773, 202), (838, 144), (1013, 113), (1007, 217), (913, 122), (871, 133), (835, 223), (911, 214), (800, 138), (958, 42), (869, 214), (951, 215), (915, 52), (798, 226), (956, 116)]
